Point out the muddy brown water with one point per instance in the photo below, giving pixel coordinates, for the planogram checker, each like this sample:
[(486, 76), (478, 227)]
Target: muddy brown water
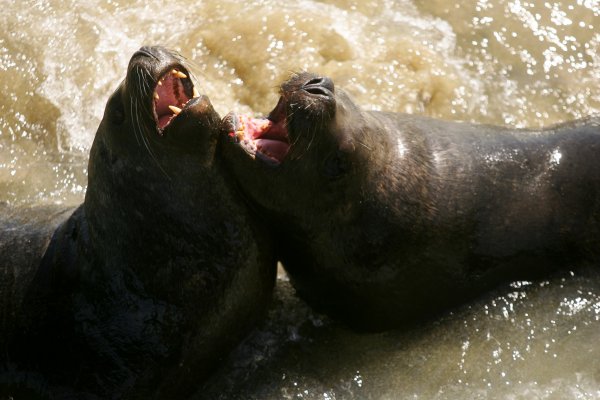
[(517, 63)]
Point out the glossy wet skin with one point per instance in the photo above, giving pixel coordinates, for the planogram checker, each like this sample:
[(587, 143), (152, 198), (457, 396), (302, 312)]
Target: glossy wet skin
[(161, 271), (384, 218)]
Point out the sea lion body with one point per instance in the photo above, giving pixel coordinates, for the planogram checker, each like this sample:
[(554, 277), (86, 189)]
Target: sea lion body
[(139, 291), (383, 218)]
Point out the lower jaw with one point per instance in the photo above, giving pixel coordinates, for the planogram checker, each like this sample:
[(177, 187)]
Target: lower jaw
[(259, 157), (267, 160)]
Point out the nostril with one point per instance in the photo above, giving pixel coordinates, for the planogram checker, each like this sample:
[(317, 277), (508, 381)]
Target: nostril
[(314, 81), (145, 51), (316, 90), (319, 86)]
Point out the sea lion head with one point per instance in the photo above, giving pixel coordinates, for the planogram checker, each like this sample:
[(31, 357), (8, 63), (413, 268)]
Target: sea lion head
[(155, 110), (308, 144)]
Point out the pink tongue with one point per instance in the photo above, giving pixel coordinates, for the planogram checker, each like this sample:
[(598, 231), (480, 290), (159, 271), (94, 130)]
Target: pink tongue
[(273, 148)]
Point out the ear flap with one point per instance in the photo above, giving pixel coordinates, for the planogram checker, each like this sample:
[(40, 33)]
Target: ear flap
[(343, 133), (349, 123)]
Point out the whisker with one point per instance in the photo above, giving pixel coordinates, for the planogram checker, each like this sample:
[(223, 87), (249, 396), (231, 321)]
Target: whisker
[(133, 114), (312, 138), (146, 79), (364, 145), (144, 135)]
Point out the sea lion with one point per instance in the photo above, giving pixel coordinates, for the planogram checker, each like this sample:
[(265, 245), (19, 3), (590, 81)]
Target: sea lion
[(384, 218), (139, 291)]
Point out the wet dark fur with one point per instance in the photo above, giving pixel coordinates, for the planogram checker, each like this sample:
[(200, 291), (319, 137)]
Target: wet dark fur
[(384, 218), (144, 287)]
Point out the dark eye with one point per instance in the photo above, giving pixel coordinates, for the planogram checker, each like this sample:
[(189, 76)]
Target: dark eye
[(117, 115), (114, 110), (336, 165)]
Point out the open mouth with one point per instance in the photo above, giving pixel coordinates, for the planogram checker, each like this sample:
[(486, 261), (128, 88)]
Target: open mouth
[(171, 94), (263, 138)]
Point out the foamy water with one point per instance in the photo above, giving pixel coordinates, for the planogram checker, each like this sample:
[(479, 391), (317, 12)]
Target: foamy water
[(512, 62)]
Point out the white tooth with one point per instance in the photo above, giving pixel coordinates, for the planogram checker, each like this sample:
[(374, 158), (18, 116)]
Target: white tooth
[(195, 93), (160, 83), (176, 110), (156, 96), (179, 74)]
